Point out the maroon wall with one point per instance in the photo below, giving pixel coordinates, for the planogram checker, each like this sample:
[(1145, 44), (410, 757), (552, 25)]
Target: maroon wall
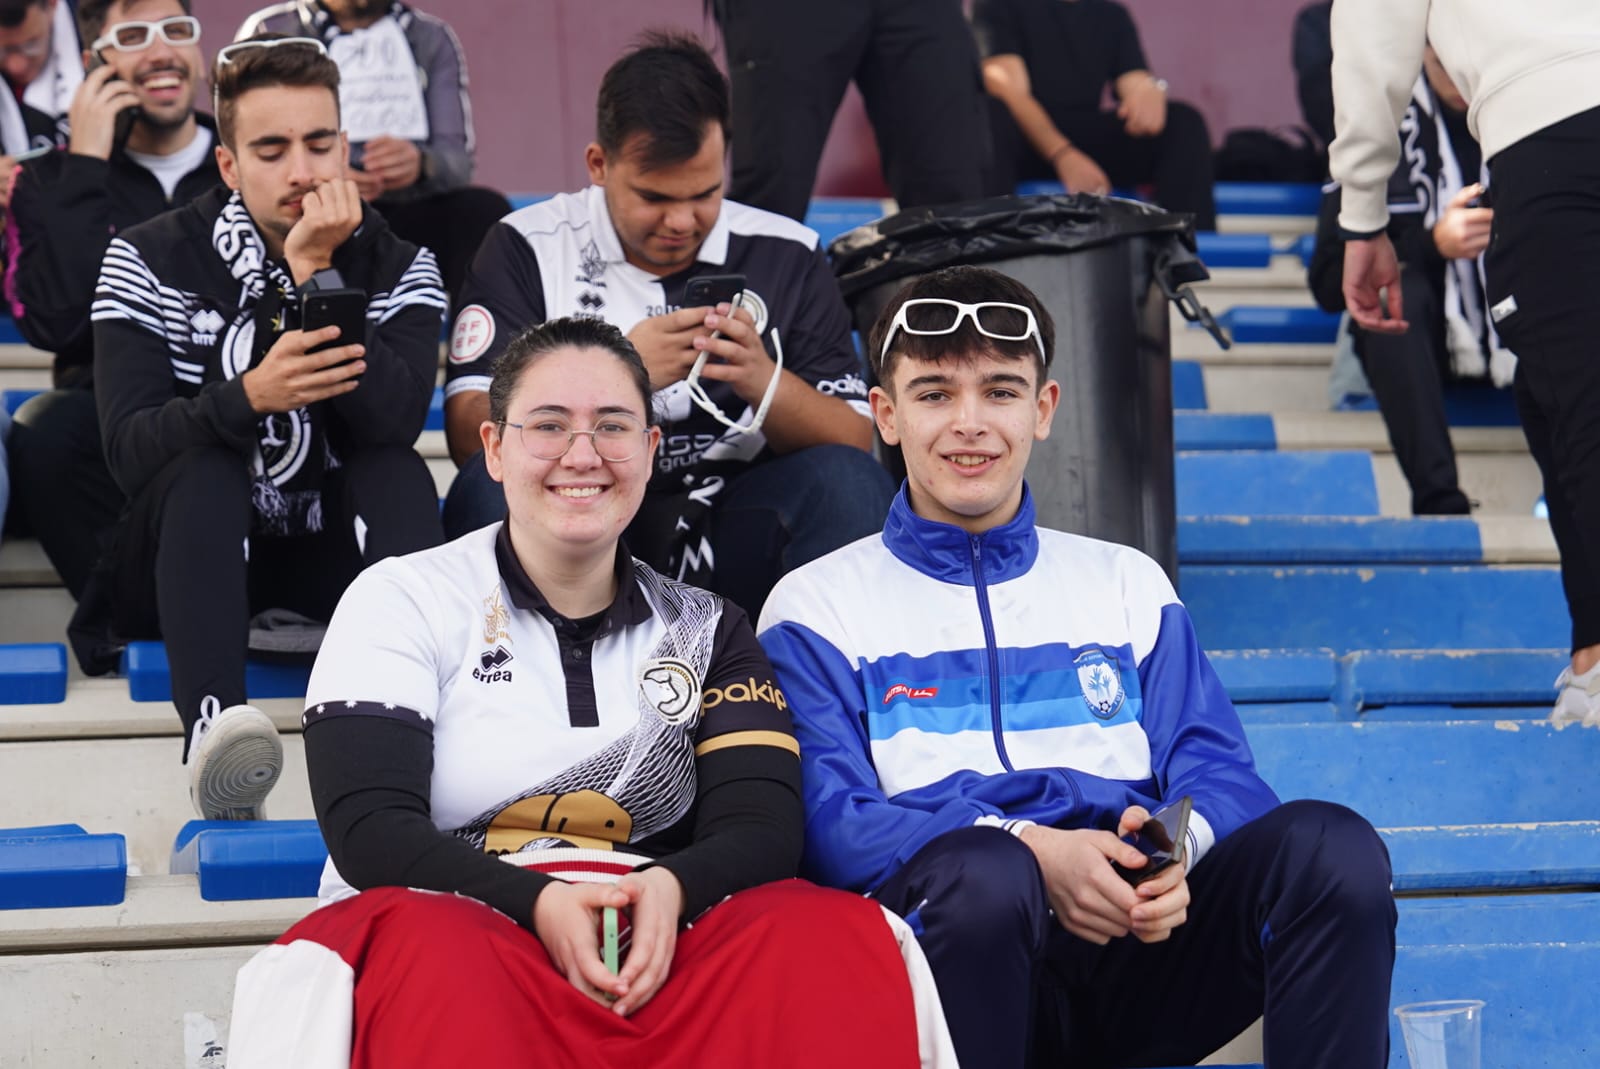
[(535, 66)]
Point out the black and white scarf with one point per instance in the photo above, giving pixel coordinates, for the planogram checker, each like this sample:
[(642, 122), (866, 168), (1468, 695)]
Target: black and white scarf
[(291, 451)]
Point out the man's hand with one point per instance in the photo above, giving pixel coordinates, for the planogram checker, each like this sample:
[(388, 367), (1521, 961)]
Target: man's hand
[(1080, 174), (329, 214), (288, 377), (93, 115), (1091, 901), (566, 918), (1372, 285), (395, 161), (1143, 110), (1164, 899), (656, 900), (666, 344), (369, 185), (741, 359), (1463, 232)]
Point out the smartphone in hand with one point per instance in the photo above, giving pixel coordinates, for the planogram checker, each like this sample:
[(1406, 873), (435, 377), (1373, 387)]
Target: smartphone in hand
[(708, 291), (344, 308), (1163, 841)]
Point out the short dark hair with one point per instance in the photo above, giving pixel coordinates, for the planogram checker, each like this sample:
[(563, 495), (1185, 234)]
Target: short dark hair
[(264, 68), (571, 332), (12, 12), (668, 88), (970, 285), (92, 17)]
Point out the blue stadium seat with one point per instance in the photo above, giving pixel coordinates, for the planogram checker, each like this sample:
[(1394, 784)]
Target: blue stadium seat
[(832, 216), (61, 865), (1277, 675), (1275, 484), (12, 400), (237, 860), (1223, 430), (150, 679), (1492, 677), (1268, 198), (435, 420), (1280, 326), (1302, 247), (34, 672), (1347, 539), (1483, 857), (1384, 606), (522, 200), (1234, 250), (1188, 385)]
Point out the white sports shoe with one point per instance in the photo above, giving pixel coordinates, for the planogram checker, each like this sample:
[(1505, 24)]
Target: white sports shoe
[(1578, 700), (234, 761)]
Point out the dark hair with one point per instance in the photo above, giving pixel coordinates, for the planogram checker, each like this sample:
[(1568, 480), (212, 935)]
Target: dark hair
[(91, 17), (668, 88), (263, 68), (970, 285), (12, 12), (572, 332)]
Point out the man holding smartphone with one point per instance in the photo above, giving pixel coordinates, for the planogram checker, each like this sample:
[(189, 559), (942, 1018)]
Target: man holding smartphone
[(987, 710), (729, 507), (138, 147), (263, 472)]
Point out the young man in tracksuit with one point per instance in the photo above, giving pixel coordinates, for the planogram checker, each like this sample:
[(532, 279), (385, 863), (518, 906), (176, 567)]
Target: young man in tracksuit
[(65, 209), (985, 708), (261, 474), (1532, 73)]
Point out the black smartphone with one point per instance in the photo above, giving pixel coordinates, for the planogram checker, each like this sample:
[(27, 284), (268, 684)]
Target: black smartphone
[(708, 291), (127, 116), (1163, 840), (343, 308)]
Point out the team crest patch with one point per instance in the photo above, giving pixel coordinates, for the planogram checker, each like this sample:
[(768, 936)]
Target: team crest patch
[(474, 331), (671, 688), (1101, 684)]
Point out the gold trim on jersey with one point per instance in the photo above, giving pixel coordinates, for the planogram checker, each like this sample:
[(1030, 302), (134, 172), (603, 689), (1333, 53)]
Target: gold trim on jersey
[(749, 738)]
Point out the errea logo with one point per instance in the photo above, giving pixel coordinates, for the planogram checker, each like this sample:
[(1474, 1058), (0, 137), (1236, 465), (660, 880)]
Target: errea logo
[(903, 690), (206, 323)]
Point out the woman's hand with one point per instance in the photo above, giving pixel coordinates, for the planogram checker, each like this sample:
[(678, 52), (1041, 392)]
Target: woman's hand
[(656, 899), (566, 917)]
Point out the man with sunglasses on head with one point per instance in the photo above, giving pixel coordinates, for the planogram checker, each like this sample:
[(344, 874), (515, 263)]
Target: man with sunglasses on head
[(763, 465), (265, 464), (988, 710), (138, 148)]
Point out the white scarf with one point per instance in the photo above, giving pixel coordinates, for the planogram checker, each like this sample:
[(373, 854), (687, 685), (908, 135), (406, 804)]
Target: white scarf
[(52, 91)]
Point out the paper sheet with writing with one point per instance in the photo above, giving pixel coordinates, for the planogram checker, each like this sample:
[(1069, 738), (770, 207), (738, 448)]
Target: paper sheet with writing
[(380, 91)]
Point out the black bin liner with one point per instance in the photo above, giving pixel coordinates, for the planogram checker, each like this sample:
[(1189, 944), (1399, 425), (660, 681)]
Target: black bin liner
[(1105, 269)]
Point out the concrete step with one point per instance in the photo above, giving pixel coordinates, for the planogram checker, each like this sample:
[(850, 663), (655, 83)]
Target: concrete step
[(101, 709), (132, 786)]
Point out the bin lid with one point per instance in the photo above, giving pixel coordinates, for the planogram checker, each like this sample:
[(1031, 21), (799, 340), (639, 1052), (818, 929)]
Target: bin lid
[(919, 240)]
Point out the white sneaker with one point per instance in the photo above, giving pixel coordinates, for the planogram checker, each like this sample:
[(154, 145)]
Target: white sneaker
[(234, 761), (1578, 700)]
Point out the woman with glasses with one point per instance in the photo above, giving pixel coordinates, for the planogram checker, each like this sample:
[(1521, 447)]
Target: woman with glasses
[(566, 743)]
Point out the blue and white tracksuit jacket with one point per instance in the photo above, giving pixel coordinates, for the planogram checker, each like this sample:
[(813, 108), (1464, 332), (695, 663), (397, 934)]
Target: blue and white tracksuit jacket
[(939, 680)]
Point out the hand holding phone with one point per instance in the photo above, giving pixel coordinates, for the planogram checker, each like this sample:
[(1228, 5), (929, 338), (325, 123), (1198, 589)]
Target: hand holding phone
[(101, 112), (1163, 841), (708, 291), (343, 308)]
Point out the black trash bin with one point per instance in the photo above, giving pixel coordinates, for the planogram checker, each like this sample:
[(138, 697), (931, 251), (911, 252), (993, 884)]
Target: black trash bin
[(1105, 269)]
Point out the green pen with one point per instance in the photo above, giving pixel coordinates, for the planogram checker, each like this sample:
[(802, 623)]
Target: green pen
[(609, 945)]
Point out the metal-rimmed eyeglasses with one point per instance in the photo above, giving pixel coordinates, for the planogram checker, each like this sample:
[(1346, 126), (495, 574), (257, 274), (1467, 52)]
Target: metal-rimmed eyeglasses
[(615, 437), (137, 36), (225, 55), (1000, 320)]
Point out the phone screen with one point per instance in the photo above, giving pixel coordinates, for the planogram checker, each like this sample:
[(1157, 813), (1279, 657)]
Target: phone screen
[(1163, 840), (708, 291)]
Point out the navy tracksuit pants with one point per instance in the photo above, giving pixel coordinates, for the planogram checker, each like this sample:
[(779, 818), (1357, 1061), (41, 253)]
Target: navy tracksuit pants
[(1291, 916)]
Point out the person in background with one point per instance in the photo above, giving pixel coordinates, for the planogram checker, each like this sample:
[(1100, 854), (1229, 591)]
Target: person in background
[(1047, 63), (1440, 232), (1532, 72), (40, 54), (66, 208), (408, 116), (265, 465)]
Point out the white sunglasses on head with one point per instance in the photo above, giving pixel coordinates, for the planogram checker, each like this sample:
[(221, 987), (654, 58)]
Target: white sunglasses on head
[(225, 56), (927, 316)]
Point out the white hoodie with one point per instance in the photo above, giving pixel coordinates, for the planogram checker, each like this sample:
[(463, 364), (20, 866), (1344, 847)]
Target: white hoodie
[(1522, 64)]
